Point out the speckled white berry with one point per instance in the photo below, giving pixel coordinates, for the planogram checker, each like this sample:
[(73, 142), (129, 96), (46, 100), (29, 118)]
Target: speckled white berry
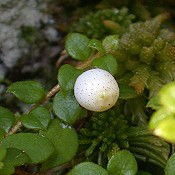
[(96, 90)]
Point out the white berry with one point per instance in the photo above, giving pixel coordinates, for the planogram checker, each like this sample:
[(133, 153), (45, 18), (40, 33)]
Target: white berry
[(96, 90)]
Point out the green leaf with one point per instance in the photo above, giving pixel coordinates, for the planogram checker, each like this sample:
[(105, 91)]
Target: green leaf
[(27, 91), (167, 96), (35, 146), (170, 168), (77, 46), (7, 119), (3, 153), (88, 168), (143, 173), (13, 158), (166, 129), (2, 133), (122, 163), (65, 141), (6, 169), (20, 157), (66, 107), (158, 117), (107, 62), (154, 103), (126, 92), (96, 44), (38, 118), (67, 76), (111, 43)]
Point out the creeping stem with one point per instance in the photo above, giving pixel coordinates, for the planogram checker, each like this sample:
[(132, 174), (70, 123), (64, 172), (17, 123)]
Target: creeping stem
[(50, 94)]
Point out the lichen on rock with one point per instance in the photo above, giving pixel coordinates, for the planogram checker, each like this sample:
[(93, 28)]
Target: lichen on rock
[(17, 15)]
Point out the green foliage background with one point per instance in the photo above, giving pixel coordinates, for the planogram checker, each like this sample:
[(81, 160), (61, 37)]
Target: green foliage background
[(135, 42)]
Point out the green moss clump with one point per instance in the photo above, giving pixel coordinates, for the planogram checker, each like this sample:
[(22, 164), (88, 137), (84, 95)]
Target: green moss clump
[(108, 132), (147, 51), (100, 23)]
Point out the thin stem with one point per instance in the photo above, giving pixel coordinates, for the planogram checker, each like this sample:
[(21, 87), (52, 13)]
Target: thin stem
[(85, 64), (100, 158), (14, 129), (50, 94), (63, 56)]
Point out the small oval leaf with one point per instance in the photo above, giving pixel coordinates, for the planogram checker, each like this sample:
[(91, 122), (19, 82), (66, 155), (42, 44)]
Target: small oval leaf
[(67, 75), (35, 146), (65, 141), (38, 118), (122, 163), (88, 168), (66, 107), (77, 46), (13, 158), (107, 62), (27, 91), (7, 119), (96, 44), (111, 43)]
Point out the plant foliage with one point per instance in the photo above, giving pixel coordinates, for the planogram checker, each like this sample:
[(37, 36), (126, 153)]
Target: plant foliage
[(56, 135)]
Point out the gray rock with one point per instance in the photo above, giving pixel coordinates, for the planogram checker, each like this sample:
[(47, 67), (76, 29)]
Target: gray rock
[(16, 14)]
